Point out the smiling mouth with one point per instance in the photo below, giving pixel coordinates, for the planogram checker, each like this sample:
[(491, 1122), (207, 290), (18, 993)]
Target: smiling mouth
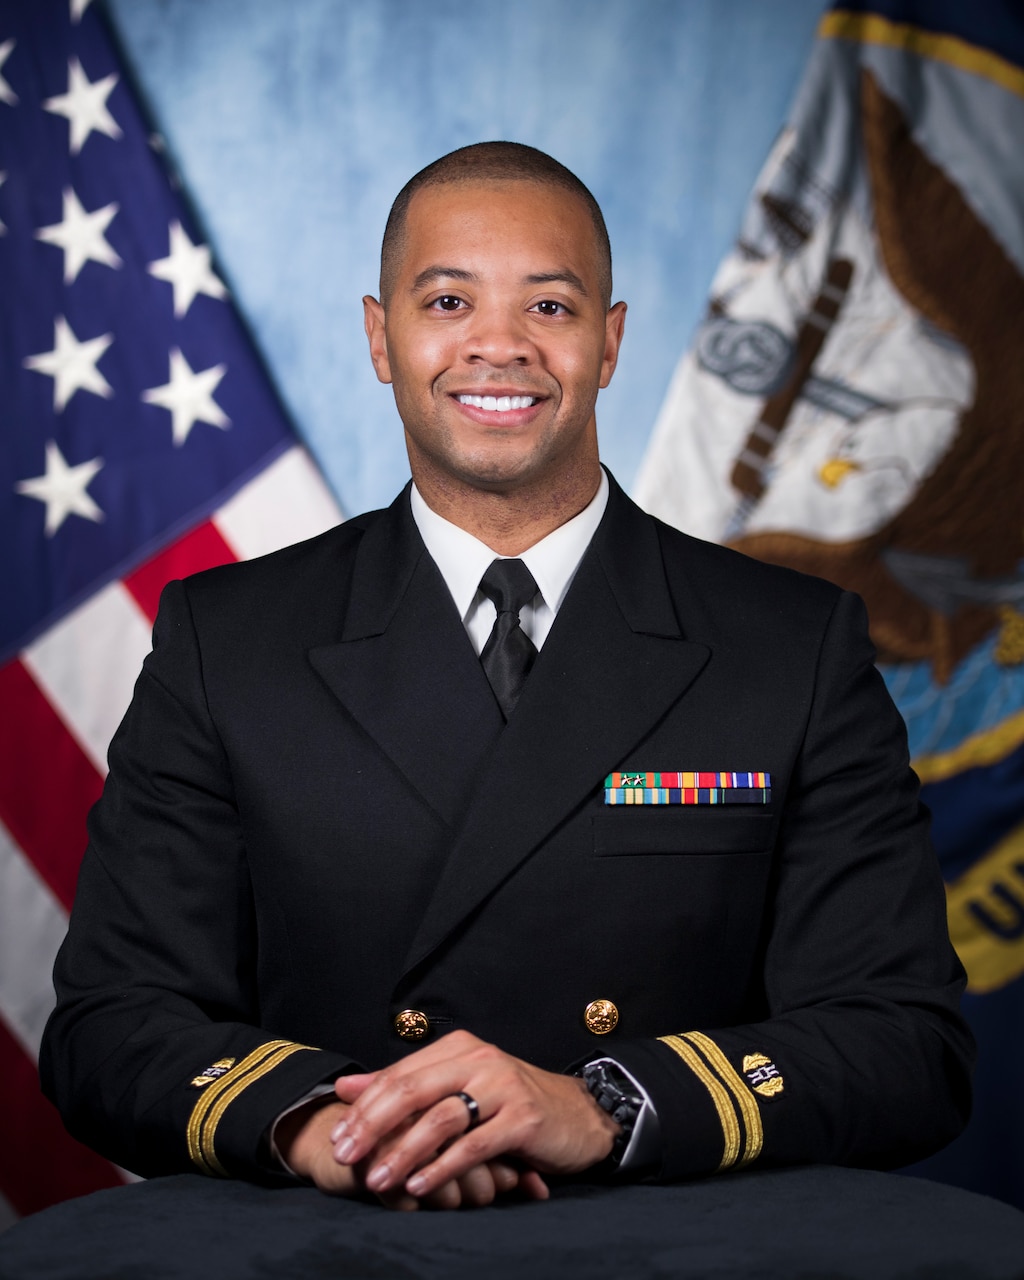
[(499, 404)]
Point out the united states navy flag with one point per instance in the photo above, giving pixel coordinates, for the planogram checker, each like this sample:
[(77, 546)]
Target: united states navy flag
[(853, 406), (140, 439)]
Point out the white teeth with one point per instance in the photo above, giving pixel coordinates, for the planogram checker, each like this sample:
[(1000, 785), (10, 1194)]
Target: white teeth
[(498, 404)]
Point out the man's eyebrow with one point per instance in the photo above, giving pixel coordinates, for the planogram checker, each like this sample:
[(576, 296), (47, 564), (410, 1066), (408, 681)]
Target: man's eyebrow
[(564, 276), (432, 274)]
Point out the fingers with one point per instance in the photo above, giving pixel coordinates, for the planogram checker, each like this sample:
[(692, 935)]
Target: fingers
[(408, 1088), (484, 1183), (533, 1186), (477, 1188), (435, 1129), (451, 1164), (506, 1178), (348, 1088), (399, 1200), (548, 1121)]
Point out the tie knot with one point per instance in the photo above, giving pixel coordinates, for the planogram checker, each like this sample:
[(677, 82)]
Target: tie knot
[(509, 585)]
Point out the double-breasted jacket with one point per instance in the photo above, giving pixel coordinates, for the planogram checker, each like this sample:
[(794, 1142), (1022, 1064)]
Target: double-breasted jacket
[(316, 819)]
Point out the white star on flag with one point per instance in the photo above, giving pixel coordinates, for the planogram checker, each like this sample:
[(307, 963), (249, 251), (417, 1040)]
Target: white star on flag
[(63, 489), (72, 364), (78, 7), (188, 269), (189, 397), (7, 94), (85, 105), (81, 236)]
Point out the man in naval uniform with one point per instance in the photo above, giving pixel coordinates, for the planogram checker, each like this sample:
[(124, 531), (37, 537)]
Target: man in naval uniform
[(506, 833)]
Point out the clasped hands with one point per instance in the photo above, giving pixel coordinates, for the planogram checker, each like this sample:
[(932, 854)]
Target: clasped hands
[(401, 1134)]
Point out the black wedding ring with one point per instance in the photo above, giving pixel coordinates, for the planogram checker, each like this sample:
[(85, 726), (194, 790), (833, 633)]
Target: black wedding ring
[(472, 1106)]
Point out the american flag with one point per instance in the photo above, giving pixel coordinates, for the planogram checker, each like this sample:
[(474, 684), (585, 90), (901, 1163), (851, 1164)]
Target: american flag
[(140, 440)]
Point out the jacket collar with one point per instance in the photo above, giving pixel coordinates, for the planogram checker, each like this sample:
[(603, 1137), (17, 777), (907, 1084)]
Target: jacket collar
[(405, 669)]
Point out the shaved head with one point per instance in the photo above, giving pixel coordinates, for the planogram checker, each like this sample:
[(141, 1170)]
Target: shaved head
[(490, 162)]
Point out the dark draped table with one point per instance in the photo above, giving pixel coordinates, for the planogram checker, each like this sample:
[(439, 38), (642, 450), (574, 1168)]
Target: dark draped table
[(772, 1225)]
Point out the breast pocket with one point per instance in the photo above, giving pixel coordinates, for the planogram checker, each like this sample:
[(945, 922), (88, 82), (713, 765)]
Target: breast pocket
[(710, 830)]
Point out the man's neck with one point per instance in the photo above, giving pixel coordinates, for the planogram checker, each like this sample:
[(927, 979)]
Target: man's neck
[(509, 522)]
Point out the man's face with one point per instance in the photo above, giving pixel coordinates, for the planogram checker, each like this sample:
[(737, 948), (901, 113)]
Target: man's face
[(495, 336)]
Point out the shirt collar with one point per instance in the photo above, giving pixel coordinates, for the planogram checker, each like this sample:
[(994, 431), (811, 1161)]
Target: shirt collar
[(462, 559)]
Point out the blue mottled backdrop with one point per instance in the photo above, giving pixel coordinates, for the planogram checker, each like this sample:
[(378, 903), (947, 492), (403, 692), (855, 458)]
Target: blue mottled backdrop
[(294, 125)]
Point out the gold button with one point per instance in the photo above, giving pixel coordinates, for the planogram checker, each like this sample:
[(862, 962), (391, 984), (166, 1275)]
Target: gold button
[(411, 1024), (601, 1016)]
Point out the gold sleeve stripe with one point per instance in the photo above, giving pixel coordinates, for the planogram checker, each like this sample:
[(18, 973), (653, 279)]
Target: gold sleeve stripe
[(209, 1130), (213, 1102), (719, 1096), (205, 1101), (210, 1094), (737, 1086)]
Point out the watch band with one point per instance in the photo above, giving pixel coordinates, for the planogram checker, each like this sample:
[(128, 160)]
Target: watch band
[(615, 1093)]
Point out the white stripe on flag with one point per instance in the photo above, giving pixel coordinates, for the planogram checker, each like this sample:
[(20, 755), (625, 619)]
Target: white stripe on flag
[(88, 663), (32, 927), (285, 503)]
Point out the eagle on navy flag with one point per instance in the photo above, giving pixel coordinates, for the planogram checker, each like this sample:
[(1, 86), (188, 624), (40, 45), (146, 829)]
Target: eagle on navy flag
[(853, 406)]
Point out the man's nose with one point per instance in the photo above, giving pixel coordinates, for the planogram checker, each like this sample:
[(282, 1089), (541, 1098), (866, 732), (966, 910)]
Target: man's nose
[(498, 336)]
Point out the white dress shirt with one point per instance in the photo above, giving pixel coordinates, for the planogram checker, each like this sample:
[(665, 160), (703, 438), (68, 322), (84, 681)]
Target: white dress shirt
[(553, 561)]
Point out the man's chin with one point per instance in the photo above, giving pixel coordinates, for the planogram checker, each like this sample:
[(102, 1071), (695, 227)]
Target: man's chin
[(505, 467), (504, 474)]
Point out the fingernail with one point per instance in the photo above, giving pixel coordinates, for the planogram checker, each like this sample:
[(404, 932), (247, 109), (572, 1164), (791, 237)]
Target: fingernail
[(416, 1185), (377, 1179), (345, 1149), (339, 1131)]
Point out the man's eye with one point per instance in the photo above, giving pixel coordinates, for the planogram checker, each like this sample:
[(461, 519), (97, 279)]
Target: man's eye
[(447, 302), (548, 307)]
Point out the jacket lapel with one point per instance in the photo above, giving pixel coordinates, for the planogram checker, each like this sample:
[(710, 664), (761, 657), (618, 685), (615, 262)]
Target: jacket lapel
[(614, 663), (405, 669)]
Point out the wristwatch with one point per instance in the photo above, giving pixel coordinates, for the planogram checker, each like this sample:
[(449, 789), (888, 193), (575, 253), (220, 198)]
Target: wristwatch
[(614, 1092)]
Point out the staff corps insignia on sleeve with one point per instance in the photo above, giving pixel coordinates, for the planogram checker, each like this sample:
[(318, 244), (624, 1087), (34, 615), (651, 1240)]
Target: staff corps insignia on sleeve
[(763, 1075), (219, 1068)]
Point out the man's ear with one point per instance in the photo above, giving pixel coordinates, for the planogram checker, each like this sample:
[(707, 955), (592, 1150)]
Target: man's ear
[(376, 332), (614, 324)]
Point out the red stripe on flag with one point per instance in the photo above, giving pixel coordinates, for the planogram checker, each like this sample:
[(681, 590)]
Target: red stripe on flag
[(47, 782), (201, 548), (42, 1164)]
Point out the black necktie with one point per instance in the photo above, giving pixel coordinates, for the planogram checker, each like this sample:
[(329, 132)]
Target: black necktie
[(509, 652)]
